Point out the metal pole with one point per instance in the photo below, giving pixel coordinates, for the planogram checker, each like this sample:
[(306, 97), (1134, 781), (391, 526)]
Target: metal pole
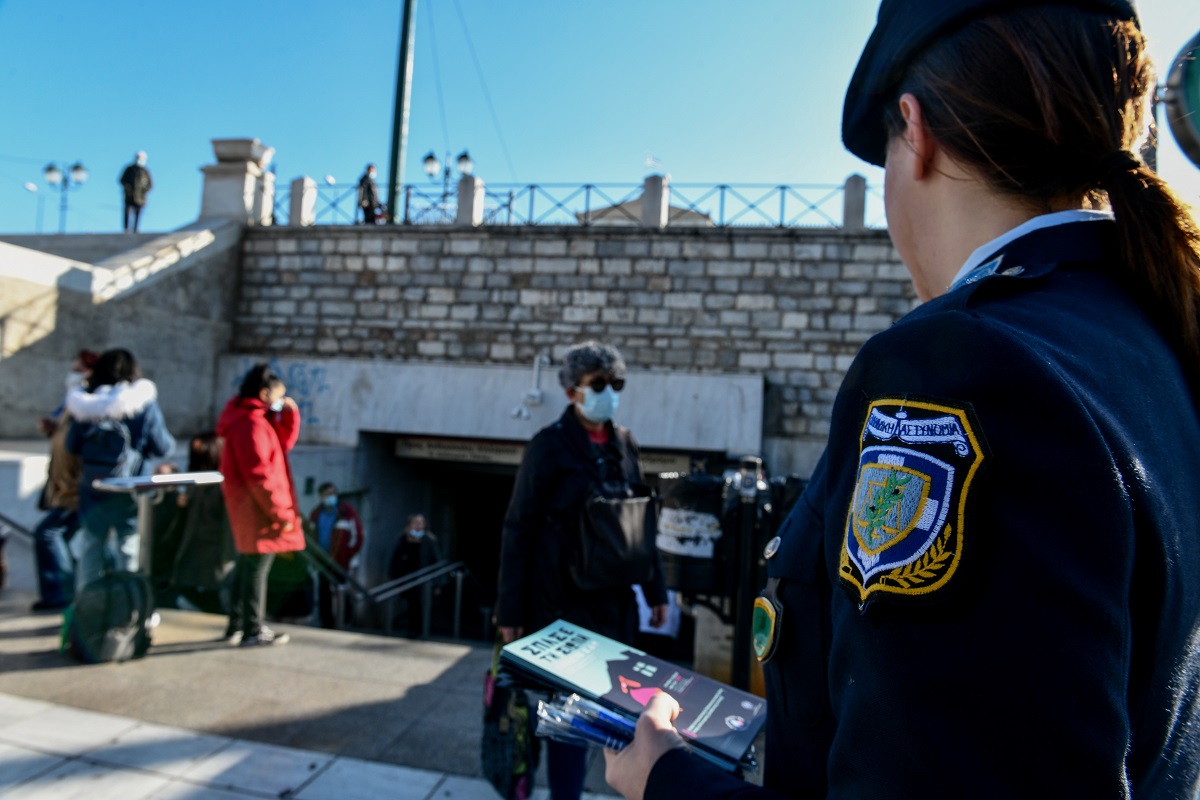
[(426, 602), (400, 111), (145, 528), (458, 576), (62, 204), (744, 593)]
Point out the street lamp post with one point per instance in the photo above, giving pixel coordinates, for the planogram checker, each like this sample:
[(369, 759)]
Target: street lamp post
[(73, 178), (433, 167), (33, 189)]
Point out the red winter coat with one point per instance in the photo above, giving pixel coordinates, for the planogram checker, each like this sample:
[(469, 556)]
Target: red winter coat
[(259, 492), (343, 545)]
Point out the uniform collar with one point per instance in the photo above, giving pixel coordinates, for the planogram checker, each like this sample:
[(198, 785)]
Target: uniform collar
[(987, 260)]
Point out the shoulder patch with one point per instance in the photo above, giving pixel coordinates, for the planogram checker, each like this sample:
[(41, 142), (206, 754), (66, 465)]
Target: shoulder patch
[(906, 526)]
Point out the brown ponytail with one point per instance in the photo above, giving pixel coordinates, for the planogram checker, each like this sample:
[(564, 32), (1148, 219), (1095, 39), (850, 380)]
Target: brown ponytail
[(1045, 103), (1160, 246)]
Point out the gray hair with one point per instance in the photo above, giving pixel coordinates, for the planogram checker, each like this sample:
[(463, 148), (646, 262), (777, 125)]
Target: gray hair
[(591, 356)]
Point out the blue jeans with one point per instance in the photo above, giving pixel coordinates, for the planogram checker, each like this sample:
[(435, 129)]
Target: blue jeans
[(55, 566), (108, 540)]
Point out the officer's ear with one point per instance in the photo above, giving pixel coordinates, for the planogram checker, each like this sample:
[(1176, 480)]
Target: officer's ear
[(920, 143)]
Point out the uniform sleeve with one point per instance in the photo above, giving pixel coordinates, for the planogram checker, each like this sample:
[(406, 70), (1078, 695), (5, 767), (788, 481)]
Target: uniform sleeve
[(681, 774), (999, 653)]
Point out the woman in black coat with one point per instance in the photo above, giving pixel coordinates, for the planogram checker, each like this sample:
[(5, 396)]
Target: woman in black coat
[(564, 462)]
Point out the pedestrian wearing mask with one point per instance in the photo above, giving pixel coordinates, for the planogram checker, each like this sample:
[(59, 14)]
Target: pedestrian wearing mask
[(416, 550), (259, 426), (339, 532), (562, 466), (991, 586)]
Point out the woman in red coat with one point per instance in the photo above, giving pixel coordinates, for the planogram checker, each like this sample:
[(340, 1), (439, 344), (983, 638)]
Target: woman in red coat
[(259, 427)]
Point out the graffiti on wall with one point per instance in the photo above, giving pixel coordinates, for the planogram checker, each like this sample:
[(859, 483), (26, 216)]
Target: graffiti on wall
[(305, 383)]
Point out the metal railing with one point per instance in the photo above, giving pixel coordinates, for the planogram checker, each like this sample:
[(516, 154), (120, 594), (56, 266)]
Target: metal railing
[(384, 595), (10, 526), (605, 204)]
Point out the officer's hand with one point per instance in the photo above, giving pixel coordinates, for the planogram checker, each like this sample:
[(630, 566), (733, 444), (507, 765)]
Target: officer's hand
[(508, 635), (658, 616), (628, 770)]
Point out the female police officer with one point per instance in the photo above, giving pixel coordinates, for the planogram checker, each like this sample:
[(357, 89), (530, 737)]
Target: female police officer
[(992, 585)]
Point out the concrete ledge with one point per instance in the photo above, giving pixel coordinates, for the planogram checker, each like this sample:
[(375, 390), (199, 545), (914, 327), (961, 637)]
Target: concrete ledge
[(126, 271)]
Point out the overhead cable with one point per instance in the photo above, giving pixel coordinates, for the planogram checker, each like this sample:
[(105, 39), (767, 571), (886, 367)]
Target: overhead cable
[(487, 96)]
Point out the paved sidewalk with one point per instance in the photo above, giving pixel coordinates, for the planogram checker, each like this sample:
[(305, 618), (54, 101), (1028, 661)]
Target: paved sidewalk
[(330, 715), (49, 751)]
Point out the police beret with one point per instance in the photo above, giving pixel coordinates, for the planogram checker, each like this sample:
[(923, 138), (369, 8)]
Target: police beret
[(902, 30)]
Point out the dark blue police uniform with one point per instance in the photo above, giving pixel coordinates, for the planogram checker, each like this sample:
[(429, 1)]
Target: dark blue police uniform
[(992, 586)]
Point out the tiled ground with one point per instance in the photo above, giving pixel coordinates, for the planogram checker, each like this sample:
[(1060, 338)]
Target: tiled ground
[(58, 753)]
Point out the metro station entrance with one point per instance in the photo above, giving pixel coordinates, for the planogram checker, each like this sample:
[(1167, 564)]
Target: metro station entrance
[(462, 487)]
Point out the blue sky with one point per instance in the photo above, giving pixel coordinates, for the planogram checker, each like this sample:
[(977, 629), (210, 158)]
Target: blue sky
[(582, 92)]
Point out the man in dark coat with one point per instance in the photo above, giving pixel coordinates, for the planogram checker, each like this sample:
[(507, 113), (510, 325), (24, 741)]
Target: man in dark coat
[(368, 195), (136, 184), (416, 550)]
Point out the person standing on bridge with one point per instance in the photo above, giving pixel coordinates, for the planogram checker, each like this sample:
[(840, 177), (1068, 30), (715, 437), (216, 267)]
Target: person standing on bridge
[(135, 185), (368, 195)]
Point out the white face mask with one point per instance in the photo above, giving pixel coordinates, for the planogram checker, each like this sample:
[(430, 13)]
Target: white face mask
[(277, 405), (417, 534)]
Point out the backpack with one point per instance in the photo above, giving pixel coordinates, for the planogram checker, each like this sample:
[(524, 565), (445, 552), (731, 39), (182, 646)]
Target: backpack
[(109, 450), (109, 619)]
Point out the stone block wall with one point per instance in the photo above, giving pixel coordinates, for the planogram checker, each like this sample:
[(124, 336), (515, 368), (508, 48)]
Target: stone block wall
[(794, 304)]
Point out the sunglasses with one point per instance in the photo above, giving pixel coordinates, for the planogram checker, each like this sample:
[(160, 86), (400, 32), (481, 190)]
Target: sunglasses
[(600, 383)]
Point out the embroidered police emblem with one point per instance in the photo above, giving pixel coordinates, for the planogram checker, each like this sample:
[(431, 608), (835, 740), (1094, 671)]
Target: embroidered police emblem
[(905, 524)]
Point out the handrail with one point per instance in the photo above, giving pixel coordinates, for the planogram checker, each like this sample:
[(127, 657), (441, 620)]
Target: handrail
[(422, 579), (398, 586), (15, 527)]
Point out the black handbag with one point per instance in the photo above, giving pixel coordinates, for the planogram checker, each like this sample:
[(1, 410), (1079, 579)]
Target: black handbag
[(617, 541), (509, 749)]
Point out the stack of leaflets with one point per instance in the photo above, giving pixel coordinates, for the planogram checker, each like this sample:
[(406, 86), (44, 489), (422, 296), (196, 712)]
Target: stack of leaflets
[(719, 722)]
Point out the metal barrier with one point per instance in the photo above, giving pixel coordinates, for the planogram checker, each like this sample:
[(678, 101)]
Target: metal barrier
[(148, 491), (8, 525), (422, 579), (601, 204)]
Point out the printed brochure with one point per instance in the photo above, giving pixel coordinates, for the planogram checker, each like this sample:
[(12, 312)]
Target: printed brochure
[(717, 720)]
